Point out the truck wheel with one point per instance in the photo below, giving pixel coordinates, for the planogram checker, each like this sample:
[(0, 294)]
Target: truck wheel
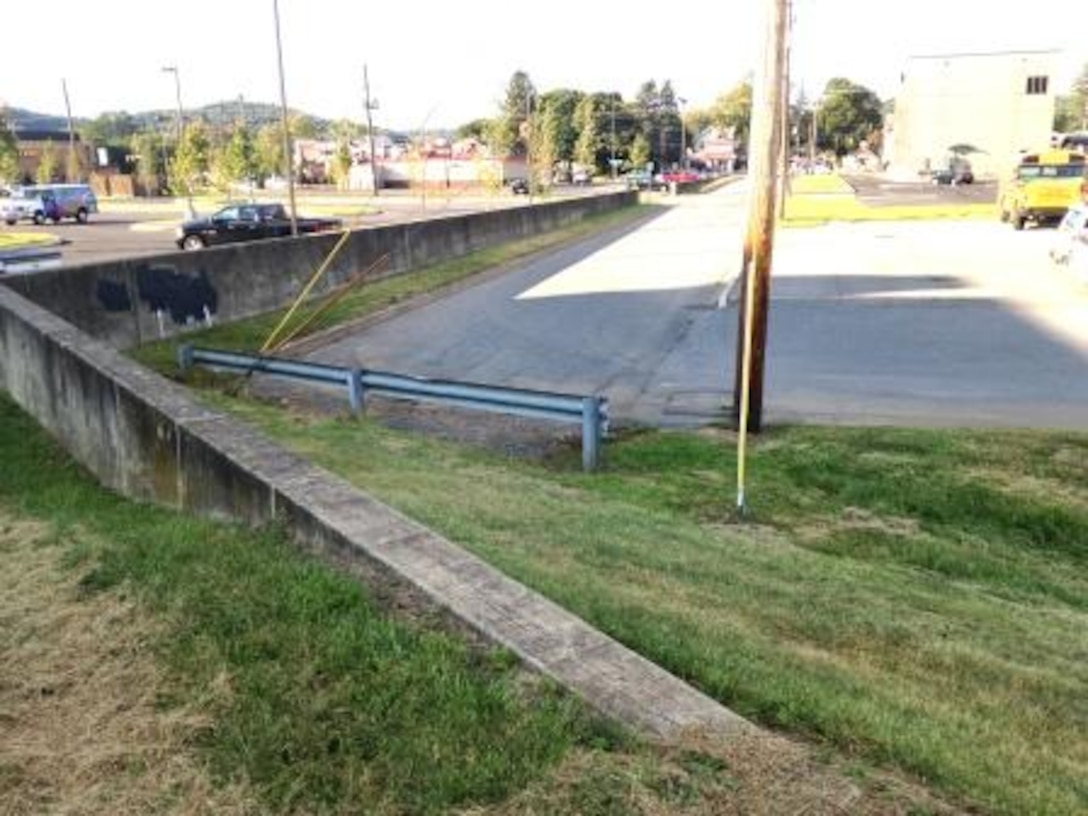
[(39, 218), (81, 215), (1018, 220), (10, 222), (192, 242)]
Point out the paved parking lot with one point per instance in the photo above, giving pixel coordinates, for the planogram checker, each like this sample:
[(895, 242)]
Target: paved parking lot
[(135, 228), (934, 323), (878, 191)]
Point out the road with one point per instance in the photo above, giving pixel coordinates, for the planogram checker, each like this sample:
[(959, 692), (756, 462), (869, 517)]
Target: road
[(137, 227), (916, 323), (631, 314)]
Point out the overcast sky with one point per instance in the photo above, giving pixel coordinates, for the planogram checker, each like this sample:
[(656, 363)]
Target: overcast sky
[(444, 63)]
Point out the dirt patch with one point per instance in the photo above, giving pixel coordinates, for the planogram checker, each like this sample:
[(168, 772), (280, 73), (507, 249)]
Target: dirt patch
[(80, 731), (755, 775), (1024, 484), (853, 519), (511, 436)]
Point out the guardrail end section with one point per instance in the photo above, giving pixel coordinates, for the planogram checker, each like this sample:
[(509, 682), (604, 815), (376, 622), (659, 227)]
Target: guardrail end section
[(591, 432), (185, 356), (356, 391)]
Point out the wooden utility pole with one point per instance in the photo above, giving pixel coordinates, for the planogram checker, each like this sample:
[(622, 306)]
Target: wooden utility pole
[(784, 169), (73, 158), (764, 152)]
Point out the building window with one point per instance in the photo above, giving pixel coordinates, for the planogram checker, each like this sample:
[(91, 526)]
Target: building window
[(1037, 85)]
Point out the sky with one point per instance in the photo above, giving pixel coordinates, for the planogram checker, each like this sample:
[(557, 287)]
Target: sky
[(441, 64)]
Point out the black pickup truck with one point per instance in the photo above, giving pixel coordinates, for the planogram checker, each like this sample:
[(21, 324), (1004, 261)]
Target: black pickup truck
[(246, 222)]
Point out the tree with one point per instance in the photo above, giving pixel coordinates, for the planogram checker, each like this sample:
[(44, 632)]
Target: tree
[(587, 148), (268, 152), (733, 109), (47, 164), (115, 129), (562, 105), (507, 137), (341, 162), (9, 151), (476, 129), (302, 126), (73, 167), (640, 151), (190, 163), (849, 115), (235, 161), (647, 102), (144, 149), (1071, 110), (544, 138)]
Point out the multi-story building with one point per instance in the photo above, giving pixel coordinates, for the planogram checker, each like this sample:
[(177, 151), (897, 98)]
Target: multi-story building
[(998, 104)]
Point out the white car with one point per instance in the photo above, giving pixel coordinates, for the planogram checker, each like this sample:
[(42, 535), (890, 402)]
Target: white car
[(1070, 242)]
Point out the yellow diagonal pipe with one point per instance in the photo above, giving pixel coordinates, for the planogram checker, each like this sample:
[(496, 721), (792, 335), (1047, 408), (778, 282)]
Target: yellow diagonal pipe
[(305, 291)]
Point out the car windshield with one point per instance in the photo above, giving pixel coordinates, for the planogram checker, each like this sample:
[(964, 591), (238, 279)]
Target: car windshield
[(1033, 171)]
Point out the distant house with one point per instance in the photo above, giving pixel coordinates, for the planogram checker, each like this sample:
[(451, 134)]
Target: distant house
[(34, 143), (991, 105), (717, 148)]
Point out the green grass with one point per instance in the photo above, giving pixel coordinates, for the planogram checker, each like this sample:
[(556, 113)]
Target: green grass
[(917, 599), (250, 334), (22, 240), (329, 704)]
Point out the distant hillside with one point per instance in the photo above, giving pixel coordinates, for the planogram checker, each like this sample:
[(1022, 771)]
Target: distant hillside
[(216, 114), (22, 119)]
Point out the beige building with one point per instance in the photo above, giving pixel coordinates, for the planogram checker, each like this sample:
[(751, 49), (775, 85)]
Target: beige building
[(1000, 103)]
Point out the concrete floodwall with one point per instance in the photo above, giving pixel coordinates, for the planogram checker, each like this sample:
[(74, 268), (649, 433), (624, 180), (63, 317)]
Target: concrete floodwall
[(129, 302)]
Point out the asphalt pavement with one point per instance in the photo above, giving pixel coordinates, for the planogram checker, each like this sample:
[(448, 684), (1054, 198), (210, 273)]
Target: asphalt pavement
[(939, 323)]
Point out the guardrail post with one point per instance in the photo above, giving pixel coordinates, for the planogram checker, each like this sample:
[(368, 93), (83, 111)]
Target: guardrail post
[(185, 356), (356, 393), (591, 432)]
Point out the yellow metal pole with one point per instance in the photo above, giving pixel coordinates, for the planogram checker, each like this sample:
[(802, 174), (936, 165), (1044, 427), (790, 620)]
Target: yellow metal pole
[(750, 283), (305, 291), (331, 301)]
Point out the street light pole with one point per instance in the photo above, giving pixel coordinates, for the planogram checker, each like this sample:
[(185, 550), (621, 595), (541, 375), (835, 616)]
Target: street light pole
[(370, 105), (680, 102), (173, 69), (612, 157), (529, 142), (180, 118), (73, 159), (288, 158)]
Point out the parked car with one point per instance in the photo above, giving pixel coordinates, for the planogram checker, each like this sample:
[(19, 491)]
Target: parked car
[(1043, 186), (76, 201), (518, 186), (26, 205), (957, 171), (1071, 237), (580, 177), (639, 180), (246, 222)]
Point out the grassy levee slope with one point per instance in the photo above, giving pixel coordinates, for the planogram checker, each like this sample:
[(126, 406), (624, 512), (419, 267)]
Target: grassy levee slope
[(315, 700), (916, 599)]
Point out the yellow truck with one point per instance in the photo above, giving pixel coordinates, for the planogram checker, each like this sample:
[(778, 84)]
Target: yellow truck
[(1043, 186)]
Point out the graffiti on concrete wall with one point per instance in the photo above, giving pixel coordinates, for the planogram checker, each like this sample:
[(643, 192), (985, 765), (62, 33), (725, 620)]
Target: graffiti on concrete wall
[(113, 296), (186, 298)]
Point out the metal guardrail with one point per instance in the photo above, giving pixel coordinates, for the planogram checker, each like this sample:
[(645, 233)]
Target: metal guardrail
[(30, 259), (589, 411)]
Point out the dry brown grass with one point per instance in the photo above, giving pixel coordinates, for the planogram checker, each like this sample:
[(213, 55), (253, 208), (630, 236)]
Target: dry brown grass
[(759, 774), (80, 732)]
